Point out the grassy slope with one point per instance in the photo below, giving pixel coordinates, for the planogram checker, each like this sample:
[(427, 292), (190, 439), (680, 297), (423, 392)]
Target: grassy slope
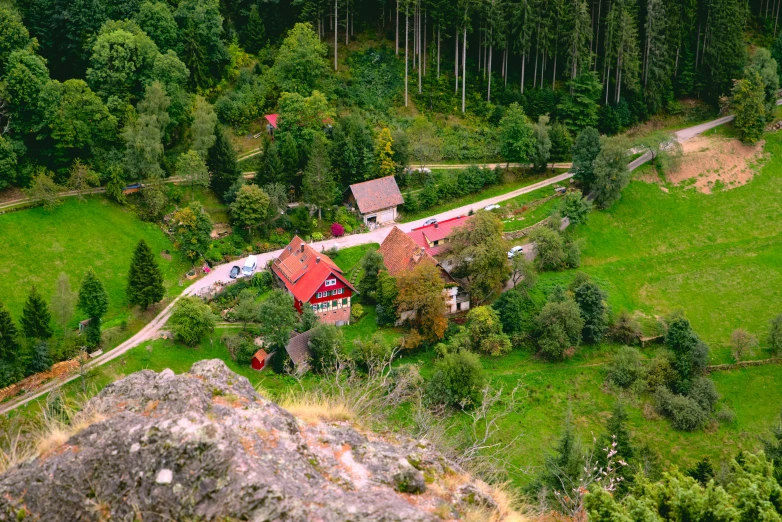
[(39, 244)]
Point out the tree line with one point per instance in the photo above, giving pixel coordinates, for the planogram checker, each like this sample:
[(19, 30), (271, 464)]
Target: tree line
[(43, 334)]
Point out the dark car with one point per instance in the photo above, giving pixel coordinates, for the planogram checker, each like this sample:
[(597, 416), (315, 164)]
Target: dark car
[(235, 270)]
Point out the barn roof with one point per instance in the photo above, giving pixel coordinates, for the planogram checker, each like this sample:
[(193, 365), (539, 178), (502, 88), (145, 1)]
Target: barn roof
[(260, 355), (401, 253), (303, 269), (436, 232), (377, 194), (298, 347)]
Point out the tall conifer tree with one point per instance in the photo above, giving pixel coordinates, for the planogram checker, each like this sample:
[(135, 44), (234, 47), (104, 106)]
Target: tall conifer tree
[(36, 318), (93, 301), (221, 162), (145, 279), (9, 337)]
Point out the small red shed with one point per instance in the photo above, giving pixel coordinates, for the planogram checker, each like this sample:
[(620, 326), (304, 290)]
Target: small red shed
[(259, 359)]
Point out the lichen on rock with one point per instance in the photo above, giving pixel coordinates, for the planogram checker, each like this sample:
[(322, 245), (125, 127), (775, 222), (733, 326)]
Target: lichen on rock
[(206, 446)]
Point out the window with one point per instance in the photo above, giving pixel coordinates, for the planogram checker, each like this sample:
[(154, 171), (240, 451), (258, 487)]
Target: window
[(334, 303), (331, 282), (345, 302), (320, 294), (340, 290), (315, 307)]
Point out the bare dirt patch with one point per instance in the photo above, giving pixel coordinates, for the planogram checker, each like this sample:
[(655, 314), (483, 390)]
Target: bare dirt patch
[(710, 163)]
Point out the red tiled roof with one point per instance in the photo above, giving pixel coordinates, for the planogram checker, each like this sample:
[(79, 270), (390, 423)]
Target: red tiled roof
[(401, 253), (260, 355), (436, 232), (272, 119), (303, 269), (377, 194)]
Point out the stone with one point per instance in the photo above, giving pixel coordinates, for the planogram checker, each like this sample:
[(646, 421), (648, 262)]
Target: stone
[(206, 446)]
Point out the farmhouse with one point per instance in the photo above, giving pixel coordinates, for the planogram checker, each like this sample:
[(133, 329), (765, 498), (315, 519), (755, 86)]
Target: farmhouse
[(401, 253), (376, 200), (313, 279), (434, 238)]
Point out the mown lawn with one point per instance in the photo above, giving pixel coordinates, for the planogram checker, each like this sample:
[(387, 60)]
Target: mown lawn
[(39, 244)]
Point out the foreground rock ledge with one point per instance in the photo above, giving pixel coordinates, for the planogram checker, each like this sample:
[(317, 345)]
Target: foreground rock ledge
[(205, 446)]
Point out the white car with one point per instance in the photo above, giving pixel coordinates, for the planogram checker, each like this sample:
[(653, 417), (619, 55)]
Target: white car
[(515, 250), (489, 208)]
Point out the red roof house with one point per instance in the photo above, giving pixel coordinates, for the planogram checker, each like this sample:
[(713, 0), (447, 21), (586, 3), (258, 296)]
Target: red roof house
[(272, 119), (401, 253), (376, 200), (313, 279), (433, 238)]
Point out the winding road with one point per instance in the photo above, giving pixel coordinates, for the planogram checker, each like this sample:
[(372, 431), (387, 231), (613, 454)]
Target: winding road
[(220, 272)]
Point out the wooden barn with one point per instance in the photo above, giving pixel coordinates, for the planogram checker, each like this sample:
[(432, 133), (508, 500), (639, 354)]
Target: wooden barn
[(259, 360)]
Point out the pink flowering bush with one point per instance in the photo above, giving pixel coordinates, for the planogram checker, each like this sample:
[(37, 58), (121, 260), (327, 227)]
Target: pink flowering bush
[(337, 230)]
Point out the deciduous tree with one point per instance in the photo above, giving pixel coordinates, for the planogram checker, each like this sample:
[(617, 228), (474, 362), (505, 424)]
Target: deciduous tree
[(191, 168), (517, 140), (585, 150), (420, 301), (192, 230), (300, 64), (191, 320), (611, 174), (251, 207)]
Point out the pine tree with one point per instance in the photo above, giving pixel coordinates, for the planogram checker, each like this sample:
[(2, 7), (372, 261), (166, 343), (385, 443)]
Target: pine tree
[(617, 437), (271, 169), (318, 187), (41, 360), (93, 301), (9, 337), (221, 162), (145, 279), (585, 150), (36, 318), (254, 32), (289, 154)]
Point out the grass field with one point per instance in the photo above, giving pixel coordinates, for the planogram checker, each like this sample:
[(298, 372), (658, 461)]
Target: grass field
[(39, 244), (495, 190)]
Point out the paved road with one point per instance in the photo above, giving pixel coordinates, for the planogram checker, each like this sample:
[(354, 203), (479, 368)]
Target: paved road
[(220, 273)]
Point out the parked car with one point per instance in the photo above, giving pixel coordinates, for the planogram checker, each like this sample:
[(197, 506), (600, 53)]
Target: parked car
[(515, 250), (249, 266), (431, 221), (489, 208), (235, 271)]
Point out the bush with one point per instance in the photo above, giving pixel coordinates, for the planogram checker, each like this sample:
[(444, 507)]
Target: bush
[(559, 328), (337, 230), (626, 367), (742, 344), (684, 412), (726, 415), (660, 372), (317, 236), (626, 330), (517, 312), (191, 320), (457, 380), (327, 344), (371, 352), (357, 312), (704, 393)]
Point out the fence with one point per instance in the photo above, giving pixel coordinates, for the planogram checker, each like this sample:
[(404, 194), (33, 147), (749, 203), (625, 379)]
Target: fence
[(742, 364)]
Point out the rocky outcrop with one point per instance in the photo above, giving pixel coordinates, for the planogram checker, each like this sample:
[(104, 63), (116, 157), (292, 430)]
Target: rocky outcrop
[(206, 446)]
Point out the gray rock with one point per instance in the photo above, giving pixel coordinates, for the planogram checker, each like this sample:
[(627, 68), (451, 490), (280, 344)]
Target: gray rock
[(205, 446)]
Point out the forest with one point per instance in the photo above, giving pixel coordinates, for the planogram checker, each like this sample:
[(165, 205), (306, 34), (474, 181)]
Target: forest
[(121, 91)]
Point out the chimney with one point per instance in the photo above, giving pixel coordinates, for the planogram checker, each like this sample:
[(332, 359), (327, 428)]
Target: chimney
[(317, 260), (437, 225), (302, 246)]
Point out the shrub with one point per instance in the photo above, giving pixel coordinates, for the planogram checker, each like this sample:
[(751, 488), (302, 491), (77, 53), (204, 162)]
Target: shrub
[(495, 344), (704, 393), (517, 312), (559, 327), (742, 344), (660, 372), (371, 352), (592, 302), (327, 345), (357, 312), (726, 415), (337, 230), (684, 412), (575, 207), (317, 236), (626, 367), (191, 319), (457, 380), (626, 330)]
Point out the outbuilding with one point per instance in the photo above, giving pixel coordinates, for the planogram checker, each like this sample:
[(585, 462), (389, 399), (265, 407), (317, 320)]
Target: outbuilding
[(376, 200), (259, 359)]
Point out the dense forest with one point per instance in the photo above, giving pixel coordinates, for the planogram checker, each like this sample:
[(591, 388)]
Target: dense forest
[(111, 92)]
